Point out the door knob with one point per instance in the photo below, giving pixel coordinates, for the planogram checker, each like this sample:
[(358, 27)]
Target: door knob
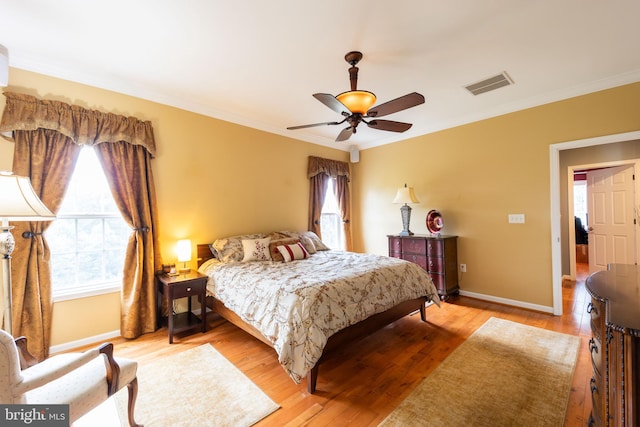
[(590, 230)]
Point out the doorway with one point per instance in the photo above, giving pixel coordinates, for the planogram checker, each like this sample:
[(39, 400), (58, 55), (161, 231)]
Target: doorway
[(603, 207), (556, 237)]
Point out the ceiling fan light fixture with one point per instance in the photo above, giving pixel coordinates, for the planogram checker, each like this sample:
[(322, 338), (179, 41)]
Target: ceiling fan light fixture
[(357, 101)]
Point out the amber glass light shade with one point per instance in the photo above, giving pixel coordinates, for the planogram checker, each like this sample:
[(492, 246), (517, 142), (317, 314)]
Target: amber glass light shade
[(357, 101)]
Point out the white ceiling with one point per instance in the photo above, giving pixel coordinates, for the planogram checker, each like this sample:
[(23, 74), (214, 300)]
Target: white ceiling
[(257, 62)]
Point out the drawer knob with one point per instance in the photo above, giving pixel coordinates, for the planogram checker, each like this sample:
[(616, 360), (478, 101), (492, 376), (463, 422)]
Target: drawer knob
[(591, 307), (188, 289), (593, 385), (592, 346)]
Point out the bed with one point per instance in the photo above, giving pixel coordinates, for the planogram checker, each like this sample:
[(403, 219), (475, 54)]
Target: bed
[(296, 295)]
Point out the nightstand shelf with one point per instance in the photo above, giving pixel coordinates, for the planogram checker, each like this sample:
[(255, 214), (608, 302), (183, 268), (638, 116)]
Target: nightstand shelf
[(172, 288)]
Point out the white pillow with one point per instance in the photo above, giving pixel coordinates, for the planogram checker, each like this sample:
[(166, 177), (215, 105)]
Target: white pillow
[(256, 249), (293, 251)]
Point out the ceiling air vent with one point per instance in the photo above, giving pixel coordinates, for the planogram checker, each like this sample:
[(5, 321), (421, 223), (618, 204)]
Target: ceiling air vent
[(492, 83)]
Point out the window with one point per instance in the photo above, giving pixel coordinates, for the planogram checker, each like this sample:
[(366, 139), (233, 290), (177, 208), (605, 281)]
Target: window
[(580, 200), (331, 220), (89, 237)]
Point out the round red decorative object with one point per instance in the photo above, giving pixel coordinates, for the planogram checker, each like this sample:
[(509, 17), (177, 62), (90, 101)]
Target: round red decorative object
[(434, 221)]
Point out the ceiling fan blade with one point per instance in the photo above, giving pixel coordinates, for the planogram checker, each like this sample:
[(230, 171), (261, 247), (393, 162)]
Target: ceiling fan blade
[(389, 125), (313, 125), (345, 134), (395, 105), (333, 103)]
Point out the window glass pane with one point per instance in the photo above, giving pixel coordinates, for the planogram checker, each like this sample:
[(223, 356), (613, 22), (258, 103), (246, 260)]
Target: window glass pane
[(580, 201), (331, 221), (89, 237), (61, 236), (91, 271), (89, 234), (63, 268), (116, 231)]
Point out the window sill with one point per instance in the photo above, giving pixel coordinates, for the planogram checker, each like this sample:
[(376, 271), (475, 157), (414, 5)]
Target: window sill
[(85, 292)]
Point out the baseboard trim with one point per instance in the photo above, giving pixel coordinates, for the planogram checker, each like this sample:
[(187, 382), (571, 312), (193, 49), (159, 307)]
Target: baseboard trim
[(96, 339), (113, 334), (506, 301)]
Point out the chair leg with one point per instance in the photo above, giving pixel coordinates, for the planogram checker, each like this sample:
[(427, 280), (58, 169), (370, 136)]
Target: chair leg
[(132, 389)]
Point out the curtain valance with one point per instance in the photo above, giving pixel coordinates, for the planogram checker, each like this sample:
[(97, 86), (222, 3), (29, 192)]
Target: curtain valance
[(83, 126), (333, 168)]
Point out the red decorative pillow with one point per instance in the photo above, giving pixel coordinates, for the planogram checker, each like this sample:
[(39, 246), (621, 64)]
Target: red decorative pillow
[(273, 248), (293, 251)]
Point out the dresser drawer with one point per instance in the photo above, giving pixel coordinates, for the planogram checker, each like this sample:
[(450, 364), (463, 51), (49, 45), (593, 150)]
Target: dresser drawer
[(597, 400), (186, 289), (596, 350), (435, 265), (435, 248), (421, 260), (395, 246), (414, 246), (438, 282), (596, 310)]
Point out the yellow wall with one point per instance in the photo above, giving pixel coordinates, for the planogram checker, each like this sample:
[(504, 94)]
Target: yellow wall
[(213, 179), (479, 173)]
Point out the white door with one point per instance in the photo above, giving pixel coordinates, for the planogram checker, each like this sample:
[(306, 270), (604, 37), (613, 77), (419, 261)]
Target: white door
[(611, 217)]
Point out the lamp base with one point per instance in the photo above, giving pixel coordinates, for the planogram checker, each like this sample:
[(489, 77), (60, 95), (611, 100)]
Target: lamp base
[(405, 211), (184, 270)]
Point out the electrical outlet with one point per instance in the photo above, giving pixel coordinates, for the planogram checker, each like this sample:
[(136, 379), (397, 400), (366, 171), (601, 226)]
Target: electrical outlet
[(463, 268)]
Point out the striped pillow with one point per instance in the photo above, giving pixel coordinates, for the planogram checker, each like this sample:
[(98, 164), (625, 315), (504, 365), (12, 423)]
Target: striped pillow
[(293, 252)]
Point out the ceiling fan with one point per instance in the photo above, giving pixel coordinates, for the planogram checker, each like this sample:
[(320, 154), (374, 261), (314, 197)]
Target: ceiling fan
[(355, 106)]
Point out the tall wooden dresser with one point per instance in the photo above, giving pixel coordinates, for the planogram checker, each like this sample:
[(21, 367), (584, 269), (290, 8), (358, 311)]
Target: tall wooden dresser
[(438, 255), (615, 345)]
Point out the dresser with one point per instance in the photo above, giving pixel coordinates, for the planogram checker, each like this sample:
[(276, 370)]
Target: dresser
[(438, 255), (615, 346)]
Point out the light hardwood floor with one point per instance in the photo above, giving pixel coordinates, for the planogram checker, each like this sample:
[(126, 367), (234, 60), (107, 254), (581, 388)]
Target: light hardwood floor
[(367, 380)]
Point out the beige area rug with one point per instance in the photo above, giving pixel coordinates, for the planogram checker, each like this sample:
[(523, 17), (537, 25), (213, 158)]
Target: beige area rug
[(198, 387), (504, 374)]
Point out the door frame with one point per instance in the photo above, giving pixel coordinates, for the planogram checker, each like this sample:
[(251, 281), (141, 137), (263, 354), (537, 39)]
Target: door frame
[(556, 238)]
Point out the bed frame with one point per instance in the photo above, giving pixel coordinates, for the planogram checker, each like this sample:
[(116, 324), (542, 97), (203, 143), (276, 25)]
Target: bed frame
[(348, 335)]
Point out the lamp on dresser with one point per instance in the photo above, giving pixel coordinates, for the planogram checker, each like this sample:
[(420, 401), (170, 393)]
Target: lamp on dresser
[(18, 202), (405, 195)]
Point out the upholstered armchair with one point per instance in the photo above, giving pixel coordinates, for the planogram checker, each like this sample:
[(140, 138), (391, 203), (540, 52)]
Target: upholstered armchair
[(81, 380)]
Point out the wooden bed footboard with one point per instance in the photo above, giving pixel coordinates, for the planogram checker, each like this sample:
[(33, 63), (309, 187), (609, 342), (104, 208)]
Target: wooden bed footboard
[(341, 338)]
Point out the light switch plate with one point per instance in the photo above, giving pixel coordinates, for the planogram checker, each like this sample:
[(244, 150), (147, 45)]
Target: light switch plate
[(516, 218)]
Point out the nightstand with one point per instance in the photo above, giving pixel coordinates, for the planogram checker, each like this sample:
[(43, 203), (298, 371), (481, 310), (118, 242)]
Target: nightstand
[(185, 285)]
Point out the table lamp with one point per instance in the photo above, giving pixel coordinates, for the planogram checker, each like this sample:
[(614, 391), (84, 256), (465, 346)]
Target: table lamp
[(183, 248), (405, 195)]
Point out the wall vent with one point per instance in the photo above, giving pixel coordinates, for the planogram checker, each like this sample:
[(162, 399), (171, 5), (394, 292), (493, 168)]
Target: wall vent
[(492, 83)]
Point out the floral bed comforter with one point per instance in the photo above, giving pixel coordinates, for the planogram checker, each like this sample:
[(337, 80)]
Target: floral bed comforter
[(298, 305)]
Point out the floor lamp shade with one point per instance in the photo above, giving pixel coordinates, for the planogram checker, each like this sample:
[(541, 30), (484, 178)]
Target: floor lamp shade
[(405, 195), (18, 202)]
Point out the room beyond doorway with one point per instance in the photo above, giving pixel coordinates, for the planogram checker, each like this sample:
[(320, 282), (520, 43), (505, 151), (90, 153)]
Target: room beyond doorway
[(561, 233)]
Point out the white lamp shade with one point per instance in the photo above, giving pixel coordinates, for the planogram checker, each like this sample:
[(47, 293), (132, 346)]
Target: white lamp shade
[(4, 66), (183, 249), (19, 202), (405, 195)]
